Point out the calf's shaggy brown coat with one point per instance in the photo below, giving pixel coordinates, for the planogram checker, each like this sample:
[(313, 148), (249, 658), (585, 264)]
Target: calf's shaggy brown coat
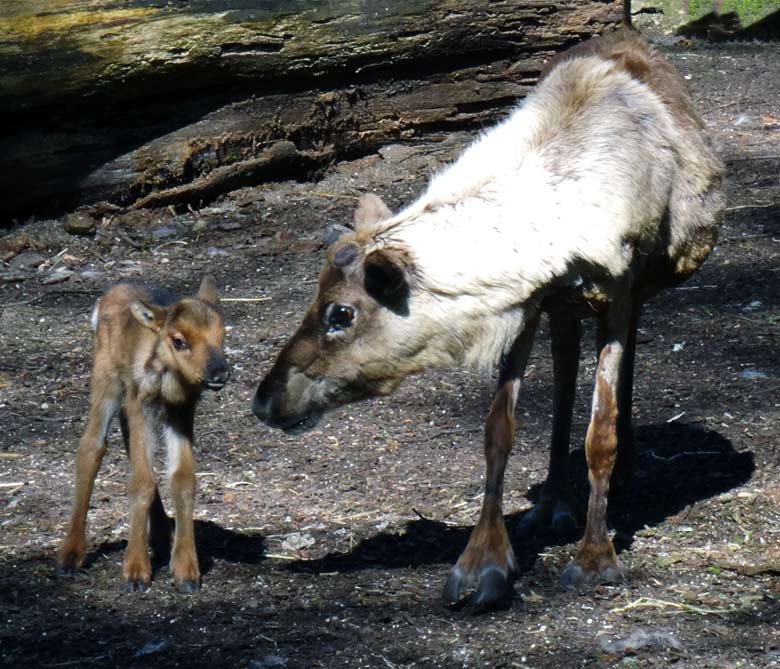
[(153, 356)]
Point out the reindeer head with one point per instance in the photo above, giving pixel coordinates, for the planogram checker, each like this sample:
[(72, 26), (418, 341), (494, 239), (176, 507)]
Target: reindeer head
[(190, 333), (356, 340)]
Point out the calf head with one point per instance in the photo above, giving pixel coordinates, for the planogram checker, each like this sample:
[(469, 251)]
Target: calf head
[(356, 340), (189, 352)]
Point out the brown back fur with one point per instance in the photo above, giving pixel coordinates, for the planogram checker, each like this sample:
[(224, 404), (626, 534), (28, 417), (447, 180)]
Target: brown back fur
[(626, 48)]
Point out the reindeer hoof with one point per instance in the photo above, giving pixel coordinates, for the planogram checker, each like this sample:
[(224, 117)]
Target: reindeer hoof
[(70, 557), (492, 584), (453, 586), (189, 587), (575, 574), (137, 585), (492, 588), (66, 570), (67, 566)]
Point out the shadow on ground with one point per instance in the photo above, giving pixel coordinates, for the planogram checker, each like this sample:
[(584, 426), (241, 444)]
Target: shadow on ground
[(677, 466), (212, 543)]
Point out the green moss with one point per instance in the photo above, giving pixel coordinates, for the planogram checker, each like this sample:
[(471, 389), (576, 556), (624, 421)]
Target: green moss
[(749, 11), (30, 27)]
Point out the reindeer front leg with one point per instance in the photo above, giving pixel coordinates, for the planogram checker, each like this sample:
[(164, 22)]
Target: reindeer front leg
[(137, 569), (596, 557), (488, 559), (181, 470)]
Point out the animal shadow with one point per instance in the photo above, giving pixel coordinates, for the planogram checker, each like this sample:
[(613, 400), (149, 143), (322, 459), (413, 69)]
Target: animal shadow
[(212, 542), (215, 542), (677, 465)]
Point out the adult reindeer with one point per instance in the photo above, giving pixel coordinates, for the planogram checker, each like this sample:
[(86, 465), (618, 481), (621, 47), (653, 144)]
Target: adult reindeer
[(598, 191)]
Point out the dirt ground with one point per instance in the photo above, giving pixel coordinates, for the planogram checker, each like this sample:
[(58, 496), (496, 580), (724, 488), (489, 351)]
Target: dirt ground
[(329, 549)]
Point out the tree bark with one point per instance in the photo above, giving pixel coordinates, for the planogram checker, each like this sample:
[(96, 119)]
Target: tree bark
[(144, 104)]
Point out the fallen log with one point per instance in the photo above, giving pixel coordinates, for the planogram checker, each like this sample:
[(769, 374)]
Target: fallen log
[(143, 105)]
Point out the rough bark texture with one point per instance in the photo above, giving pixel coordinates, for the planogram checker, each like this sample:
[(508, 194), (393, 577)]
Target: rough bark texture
[(140, 103)]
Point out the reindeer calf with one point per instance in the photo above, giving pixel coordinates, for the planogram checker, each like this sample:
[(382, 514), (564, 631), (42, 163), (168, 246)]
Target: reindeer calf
[(598, 191), (153, 357)]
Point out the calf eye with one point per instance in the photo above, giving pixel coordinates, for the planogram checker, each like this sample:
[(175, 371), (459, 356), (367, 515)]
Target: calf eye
[(339, 316), (179, 343)]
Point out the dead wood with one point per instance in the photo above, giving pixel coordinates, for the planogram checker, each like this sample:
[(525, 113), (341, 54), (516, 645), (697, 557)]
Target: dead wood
[(145, 104)]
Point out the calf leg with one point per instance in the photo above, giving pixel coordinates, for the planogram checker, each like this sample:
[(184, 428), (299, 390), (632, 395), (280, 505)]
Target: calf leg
[(181, 468), (595, 555), (488, 559), (556, 508), (137, 569), (92, 448), (160, 526)]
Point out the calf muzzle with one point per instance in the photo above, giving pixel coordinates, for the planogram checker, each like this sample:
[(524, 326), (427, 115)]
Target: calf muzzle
[(217, 373)]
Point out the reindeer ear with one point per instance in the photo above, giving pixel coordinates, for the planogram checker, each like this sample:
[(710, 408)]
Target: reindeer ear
[(149, 315), (370, 211), (208, 290), (384, 277)]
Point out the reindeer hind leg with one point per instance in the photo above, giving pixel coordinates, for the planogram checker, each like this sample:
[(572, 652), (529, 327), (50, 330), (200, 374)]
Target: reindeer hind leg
[(557, 508), (92, 447)]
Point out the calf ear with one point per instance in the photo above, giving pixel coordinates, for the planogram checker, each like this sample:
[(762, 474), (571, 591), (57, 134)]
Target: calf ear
[(384, 277), (149, 315), (370, 211), (208, 290)]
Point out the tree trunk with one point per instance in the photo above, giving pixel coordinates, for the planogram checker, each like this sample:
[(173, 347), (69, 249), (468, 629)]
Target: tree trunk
[(145, 104)]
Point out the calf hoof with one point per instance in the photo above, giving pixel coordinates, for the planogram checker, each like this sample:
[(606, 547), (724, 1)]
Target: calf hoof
[(491, 581), (70, 558), (137, 585), (68, 565), (605, 571), (558, 515), (189, 587), (186, 574), (138, 575)]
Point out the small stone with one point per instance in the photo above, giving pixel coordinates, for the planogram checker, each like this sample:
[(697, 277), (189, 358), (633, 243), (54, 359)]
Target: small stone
[(152, 647), (333, 233), (57, 276), (229, 225), (213, 251), (26, 261), (164, 231), (296, 541), (396, 153), (80, 223), (13, 277), (200, 225), (92, 275), (753, 374), (269, 661)]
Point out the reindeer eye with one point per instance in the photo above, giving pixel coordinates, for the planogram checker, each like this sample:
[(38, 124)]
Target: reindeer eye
[(339, 316), (179, 343)]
